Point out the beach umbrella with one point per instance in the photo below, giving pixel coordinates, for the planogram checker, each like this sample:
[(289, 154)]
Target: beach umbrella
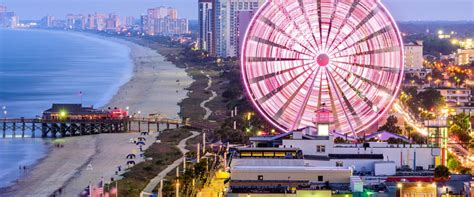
[(131, 156), (142, 139), (130, 162), (140, 143), (144, 133)]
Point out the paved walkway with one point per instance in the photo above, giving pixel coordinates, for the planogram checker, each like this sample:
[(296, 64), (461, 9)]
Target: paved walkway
[(155, 181), (214, 95)]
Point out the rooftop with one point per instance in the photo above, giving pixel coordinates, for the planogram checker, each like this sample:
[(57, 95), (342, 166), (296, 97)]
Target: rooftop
[(289, 168)]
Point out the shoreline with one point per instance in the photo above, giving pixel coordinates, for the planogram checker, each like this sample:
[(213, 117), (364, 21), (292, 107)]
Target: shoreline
[(152, 76)]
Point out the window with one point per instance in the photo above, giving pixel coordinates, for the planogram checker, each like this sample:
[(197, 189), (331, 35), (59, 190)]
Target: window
[(339, 164), (320, 178), (320, 148), (260, 177)]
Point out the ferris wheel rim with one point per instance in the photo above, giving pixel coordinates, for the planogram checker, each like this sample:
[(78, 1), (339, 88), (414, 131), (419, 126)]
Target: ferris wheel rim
[(257, 106)]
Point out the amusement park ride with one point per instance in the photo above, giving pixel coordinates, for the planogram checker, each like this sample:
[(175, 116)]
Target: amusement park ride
[(298, 55)]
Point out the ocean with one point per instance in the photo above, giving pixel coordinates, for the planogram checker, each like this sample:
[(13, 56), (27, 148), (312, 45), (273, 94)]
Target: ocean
[(38, 68)]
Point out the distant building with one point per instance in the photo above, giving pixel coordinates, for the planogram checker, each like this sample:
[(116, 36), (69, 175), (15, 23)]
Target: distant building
[(77, 22), (225, 16), (163, 21), (464, 56), (112, 23), (100, 22), (456, 96), (414, 55), (91, 24), (129, 21), (8, 19), (413, 58), (47, 21), (205, 25), (243, 21)]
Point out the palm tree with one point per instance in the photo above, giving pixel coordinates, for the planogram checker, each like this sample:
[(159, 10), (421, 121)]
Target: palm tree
[(441, 173)]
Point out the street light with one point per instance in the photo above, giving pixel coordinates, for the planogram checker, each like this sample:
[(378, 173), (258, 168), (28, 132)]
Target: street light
[(400, 186)]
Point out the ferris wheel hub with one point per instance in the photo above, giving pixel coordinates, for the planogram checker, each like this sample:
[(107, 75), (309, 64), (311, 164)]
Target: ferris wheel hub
[(322, 59)]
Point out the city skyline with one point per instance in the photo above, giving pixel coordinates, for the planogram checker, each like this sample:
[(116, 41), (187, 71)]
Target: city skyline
[(402, 10)]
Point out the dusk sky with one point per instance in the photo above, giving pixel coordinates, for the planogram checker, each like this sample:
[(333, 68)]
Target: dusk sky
[(403, 10)]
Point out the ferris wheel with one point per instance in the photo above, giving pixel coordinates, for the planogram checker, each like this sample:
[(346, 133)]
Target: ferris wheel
[(300, 55)]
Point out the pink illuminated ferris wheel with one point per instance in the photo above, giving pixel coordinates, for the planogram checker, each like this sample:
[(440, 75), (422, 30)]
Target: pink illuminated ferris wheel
[(299, 54)]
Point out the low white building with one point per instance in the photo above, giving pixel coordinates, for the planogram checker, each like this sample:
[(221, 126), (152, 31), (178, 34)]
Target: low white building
[(322, 151), (456, 96)]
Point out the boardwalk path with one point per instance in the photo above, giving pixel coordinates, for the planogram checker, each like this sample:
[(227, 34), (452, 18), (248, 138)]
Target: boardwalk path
[(155, 181)]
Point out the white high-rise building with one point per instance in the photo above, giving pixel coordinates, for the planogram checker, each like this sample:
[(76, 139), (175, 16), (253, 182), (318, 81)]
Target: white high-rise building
[(205, 24), (226, 33)]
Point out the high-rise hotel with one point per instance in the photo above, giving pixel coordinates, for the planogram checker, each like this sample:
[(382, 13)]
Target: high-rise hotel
[(163, 21), (223, 25), (205, 25)]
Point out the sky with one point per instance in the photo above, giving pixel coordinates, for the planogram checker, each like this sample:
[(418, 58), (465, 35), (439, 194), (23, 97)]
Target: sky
[(402, 10)]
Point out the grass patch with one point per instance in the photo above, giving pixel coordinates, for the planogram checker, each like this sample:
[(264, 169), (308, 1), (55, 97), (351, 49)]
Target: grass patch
[(163, 154)]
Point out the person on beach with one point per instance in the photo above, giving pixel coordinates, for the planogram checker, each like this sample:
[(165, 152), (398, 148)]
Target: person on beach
[(24, 168)]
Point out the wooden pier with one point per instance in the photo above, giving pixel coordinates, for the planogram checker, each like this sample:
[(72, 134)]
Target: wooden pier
[(68, 128)]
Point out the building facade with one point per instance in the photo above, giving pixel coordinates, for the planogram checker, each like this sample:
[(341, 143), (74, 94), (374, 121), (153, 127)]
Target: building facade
[(163, 21), (8, 19), (226, 31), (243, 21), (414, 55), (464, 56), (456, 96), (205, 25)]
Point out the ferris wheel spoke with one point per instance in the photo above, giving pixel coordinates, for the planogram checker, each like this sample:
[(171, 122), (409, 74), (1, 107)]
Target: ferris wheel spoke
[(373, 52), (269, 23), (308, 23), (371, 36), (320, 21), (373, 67), (305, 101), (356, 90), (273, 44), (332, 100), (280, 88), (372, 83), (333, 16), (288, 16), (290, 100), (337, 91), (361, 24), (274, 74), (273, 59), (344, 22)]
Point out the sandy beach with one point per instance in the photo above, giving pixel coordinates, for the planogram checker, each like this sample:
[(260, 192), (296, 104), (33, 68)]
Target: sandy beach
[(155, 88)]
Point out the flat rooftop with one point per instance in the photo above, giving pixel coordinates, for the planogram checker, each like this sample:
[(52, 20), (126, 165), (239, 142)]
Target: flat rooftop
[(289, 168)]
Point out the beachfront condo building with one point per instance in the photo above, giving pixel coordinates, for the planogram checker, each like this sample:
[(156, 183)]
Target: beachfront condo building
[(163, 21), (8, 19), (226, 28), (205, 25)]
